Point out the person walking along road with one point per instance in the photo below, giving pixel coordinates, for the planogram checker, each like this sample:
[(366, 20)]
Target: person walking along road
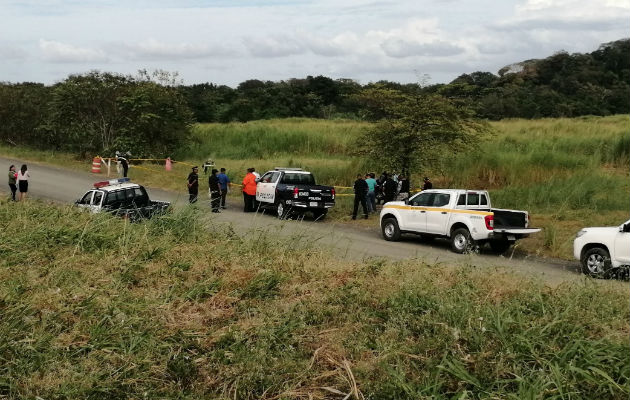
[(224, 182), (12, 181), (215, 191), (193, 185), (22, 181), (371, 195), (249, 191), (360, 196)]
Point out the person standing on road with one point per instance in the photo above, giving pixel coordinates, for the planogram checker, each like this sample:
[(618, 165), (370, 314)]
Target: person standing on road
[(403, 188), (124, 164), (389, 189), (215, 191), (224, 181), (12, 181), (193, 185), (249, 191), (22, 181), (371, 195), (427, 184), (360, 196)]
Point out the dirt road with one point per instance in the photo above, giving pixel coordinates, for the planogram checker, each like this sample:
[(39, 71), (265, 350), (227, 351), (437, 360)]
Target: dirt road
[(344, 240)]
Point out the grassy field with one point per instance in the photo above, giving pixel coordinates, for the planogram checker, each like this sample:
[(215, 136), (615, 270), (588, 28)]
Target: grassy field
[(96, 308), (569, 173)]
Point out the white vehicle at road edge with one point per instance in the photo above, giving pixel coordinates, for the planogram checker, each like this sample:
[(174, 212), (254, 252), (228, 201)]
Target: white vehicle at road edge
[(463, 216), (602, 249)]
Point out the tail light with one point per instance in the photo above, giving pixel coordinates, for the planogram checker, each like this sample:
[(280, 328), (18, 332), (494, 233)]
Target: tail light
[(295, 192), (333, 193), (489, 219)]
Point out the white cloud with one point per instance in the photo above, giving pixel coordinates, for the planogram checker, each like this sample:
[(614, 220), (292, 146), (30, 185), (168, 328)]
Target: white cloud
[(153, 49), (401, 48), (273, 46), (58, 52)]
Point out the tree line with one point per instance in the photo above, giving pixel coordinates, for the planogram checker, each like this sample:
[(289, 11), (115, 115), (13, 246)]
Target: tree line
[(100, 112)]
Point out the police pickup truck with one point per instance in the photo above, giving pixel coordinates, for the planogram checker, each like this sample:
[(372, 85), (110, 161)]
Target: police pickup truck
[(293, 190), (122, 198), (465, 217)]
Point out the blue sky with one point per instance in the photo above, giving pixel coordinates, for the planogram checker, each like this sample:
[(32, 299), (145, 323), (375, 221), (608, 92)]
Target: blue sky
[(229, 41)]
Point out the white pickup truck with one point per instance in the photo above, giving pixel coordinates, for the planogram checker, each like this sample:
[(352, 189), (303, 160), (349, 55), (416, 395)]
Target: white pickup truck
[(464, 216), (602, 249)]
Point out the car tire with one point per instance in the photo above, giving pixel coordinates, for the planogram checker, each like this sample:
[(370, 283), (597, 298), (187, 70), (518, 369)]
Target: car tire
[(461, 241), (596, 262), (390, 229), (500, 246), (282, 211)]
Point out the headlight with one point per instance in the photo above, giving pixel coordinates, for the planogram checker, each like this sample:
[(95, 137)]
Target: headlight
[(580, 233)]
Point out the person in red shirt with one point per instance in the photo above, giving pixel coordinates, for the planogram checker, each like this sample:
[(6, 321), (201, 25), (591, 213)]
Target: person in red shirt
[(249, 190)]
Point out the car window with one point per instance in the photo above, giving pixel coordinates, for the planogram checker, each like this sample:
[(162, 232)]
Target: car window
[(266, 178), (291, 178), (141, 199), (441, 199), (461, 201), (484, 200), (98, 196), (274, 177), (422, 200), (87, 198), (473, 199)]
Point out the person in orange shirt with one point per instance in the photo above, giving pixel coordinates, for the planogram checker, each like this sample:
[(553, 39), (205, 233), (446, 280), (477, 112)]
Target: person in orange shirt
[(249, 190)]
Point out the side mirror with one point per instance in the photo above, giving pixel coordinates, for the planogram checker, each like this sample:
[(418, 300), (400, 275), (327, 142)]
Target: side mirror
[(624, 228), (407, 201)]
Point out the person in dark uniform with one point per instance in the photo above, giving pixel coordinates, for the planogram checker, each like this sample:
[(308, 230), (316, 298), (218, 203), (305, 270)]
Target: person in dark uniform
[(193, 185), (389, 188), (403, 188), (123, 163), (427, 184), (215, 191), (360, 196)]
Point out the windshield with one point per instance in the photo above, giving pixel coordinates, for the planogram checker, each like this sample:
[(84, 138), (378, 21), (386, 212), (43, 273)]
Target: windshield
[(292, 178)]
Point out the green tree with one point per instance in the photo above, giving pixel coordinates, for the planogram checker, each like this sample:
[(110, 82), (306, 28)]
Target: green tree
[(417, 131)]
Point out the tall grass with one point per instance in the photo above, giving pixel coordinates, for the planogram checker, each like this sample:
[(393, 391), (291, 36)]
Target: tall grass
[(273, 138), (94, 307)]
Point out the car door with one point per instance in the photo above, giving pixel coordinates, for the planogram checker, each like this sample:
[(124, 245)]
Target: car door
[(86, 200), (417, 215), (97, 199), (265, 190), (622, 244), (438, 214)]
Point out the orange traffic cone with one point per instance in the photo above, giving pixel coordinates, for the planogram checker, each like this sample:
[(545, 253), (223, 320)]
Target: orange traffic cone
[(96, 165)]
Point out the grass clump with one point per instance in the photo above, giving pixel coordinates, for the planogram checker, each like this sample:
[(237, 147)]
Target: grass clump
[(170, 308)]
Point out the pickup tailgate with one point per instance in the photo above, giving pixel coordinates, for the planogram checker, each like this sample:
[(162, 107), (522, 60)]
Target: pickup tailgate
[(313, 195)]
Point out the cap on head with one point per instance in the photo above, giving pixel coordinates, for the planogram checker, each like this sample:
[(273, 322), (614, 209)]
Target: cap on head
[(214, 171), (195, 167), (426, 178)]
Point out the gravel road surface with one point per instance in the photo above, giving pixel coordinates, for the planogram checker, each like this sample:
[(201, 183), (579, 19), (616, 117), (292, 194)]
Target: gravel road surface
[(342, 239)]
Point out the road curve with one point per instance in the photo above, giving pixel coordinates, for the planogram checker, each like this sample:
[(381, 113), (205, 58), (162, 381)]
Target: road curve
[(346, 241)]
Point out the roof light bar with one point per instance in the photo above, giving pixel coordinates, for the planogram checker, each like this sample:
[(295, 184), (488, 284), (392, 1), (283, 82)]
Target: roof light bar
[(110, 182)]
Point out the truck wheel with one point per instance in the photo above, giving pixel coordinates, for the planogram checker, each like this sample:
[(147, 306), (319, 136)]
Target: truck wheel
[(596, 262), (283, 213), (319, 214), (391, 230), (500, 246), (461, 242)]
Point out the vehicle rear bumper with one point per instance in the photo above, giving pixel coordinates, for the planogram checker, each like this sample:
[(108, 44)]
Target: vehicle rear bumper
[(512, 233), (308, 204)]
